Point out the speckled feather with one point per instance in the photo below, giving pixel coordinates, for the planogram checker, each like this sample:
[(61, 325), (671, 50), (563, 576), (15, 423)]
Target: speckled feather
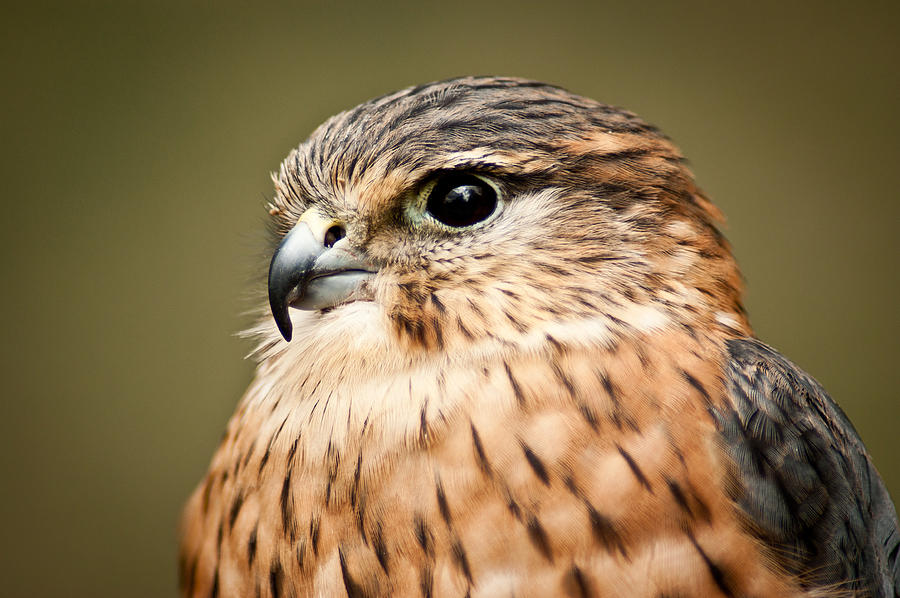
[(565, 400)]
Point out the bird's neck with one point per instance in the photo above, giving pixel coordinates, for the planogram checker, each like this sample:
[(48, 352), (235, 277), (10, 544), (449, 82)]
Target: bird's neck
[(333, 389)]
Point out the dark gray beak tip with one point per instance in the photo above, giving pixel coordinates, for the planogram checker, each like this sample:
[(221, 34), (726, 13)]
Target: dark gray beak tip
[(278, 296), (282, 320)]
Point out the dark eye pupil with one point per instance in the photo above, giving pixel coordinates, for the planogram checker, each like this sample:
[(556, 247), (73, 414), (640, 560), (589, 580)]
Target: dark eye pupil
[(461, 200)]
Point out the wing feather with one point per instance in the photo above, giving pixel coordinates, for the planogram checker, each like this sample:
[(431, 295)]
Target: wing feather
[(804, 481)]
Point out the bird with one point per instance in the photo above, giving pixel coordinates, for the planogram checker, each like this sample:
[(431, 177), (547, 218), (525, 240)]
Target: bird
[(504, 353)]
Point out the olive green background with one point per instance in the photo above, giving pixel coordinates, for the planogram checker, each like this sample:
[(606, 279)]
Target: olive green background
[(137, 141)]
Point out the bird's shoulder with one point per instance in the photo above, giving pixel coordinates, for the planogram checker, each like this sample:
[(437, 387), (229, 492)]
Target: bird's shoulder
[(804, 481)]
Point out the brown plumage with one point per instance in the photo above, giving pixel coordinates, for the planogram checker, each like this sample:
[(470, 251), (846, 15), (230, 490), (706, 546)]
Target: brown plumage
[(531, 376)]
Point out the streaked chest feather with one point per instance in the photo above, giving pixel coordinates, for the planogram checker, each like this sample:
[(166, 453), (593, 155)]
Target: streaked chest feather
[(565, 471)]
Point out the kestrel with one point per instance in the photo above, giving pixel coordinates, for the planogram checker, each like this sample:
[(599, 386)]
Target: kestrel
[(519, 366)]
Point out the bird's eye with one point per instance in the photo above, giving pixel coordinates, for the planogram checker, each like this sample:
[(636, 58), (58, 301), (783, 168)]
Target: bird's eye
[(461, 199)]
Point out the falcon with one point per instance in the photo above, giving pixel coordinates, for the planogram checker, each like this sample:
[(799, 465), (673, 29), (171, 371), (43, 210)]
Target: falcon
[(506, 355)]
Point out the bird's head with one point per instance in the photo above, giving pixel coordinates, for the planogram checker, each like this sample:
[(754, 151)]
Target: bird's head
[(494, 210)]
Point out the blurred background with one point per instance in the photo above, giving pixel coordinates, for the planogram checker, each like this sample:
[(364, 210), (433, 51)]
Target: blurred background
[(136, 144)]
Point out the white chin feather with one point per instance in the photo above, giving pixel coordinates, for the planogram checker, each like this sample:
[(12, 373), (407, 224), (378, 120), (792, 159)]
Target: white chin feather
[(359, 324)]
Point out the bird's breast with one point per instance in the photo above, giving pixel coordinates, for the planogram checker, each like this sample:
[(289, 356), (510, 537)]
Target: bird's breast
[(572, 473)]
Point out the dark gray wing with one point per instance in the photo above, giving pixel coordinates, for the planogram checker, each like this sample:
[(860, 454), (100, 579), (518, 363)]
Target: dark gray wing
[(805, 481)]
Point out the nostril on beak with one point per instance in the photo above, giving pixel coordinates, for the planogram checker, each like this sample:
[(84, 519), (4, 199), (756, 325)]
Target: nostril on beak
[(334, 234)]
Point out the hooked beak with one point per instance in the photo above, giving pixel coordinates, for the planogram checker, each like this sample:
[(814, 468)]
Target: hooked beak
[(306, 274)]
